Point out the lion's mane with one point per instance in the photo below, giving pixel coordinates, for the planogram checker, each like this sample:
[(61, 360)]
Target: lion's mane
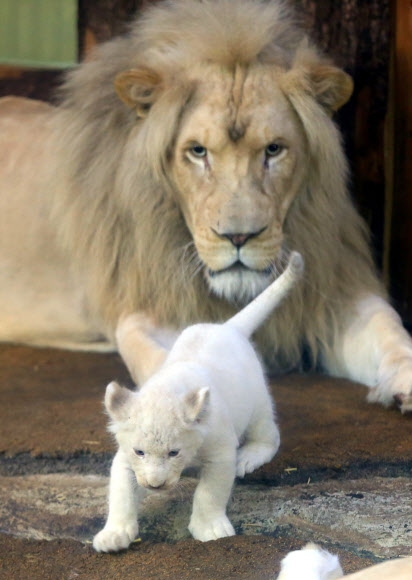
[(119, 217)]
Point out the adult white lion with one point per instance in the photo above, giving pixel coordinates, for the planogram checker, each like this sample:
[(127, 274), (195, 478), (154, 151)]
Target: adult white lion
[(184, 163)]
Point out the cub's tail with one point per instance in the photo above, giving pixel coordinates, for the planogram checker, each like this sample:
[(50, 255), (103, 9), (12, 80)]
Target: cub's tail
[(254, 314)]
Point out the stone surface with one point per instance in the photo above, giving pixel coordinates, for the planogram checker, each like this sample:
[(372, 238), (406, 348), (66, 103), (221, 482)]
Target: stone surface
[(368, 515)]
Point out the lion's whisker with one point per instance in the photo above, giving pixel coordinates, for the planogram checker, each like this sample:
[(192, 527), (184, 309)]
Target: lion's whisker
[(190, 261)]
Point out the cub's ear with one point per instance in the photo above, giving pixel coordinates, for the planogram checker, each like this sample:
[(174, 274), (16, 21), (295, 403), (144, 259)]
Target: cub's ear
[(196, 404), (138, 88), (117, 401)]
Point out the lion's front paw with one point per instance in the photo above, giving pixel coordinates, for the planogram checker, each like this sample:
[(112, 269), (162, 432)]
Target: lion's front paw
[(404, 402), (204, 531), (394, 383), (113, 539)]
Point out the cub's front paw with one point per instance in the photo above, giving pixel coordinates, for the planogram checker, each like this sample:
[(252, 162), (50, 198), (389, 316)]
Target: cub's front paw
[(204, 531), (113, 539)]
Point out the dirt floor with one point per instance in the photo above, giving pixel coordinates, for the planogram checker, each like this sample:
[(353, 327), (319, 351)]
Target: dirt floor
[(52, 421), (56, 400), (245, 558)]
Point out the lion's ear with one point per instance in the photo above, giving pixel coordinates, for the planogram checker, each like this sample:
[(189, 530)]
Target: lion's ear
[(138, 88), (332, 87)]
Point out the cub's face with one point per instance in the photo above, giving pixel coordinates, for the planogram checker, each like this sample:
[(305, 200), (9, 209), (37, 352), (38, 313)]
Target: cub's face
[(238, 163), (158, 429), (158, 453)]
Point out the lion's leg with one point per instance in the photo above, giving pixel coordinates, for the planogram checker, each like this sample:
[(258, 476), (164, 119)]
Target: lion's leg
[(376, 350), (141, 345)]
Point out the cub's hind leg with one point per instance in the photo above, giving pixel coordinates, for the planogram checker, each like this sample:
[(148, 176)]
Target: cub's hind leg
[(261, 442)]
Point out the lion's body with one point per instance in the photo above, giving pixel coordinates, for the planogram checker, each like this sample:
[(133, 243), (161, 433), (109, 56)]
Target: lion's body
[(41, 300), (183, 197)]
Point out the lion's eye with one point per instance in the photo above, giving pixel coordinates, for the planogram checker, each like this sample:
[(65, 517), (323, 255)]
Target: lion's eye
[(174, 453), (139, 452), (273, 149), (198, 151)]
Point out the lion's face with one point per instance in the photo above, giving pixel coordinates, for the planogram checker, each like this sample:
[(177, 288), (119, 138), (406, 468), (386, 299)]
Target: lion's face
[(239, 160)]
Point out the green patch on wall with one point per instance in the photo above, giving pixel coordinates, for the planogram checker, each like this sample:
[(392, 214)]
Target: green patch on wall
[(38, 33)]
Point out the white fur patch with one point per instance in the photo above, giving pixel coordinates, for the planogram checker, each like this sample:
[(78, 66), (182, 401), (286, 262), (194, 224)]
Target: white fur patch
[(311, 563), (238, 286)]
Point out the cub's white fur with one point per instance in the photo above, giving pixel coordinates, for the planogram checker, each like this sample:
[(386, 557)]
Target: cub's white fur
[(207, 404)]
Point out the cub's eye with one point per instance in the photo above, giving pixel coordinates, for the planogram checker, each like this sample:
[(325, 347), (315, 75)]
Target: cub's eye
[(198, 151), (273, 149), (139, 452), (174, 453)]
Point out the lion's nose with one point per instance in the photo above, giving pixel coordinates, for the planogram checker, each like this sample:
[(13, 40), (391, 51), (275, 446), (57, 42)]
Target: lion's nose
[(239, 240)]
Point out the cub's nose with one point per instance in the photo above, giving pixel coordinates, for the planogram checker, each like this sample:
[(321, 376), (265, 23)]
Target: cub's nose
[(156, 485)]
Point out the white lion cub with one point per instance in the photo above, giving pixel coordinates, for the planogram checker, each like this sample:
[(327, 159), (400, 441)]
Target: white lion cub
[(207, 405)]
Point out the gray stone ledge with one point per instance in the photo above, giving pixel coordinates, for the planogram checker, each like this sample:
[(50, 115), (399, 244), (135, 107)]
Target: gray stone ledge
[(371, 515)]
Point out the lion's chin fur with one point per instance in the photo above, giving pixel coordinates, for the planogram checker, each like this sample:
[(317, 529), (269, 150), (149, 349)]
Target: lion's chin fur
[(238, 285)]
